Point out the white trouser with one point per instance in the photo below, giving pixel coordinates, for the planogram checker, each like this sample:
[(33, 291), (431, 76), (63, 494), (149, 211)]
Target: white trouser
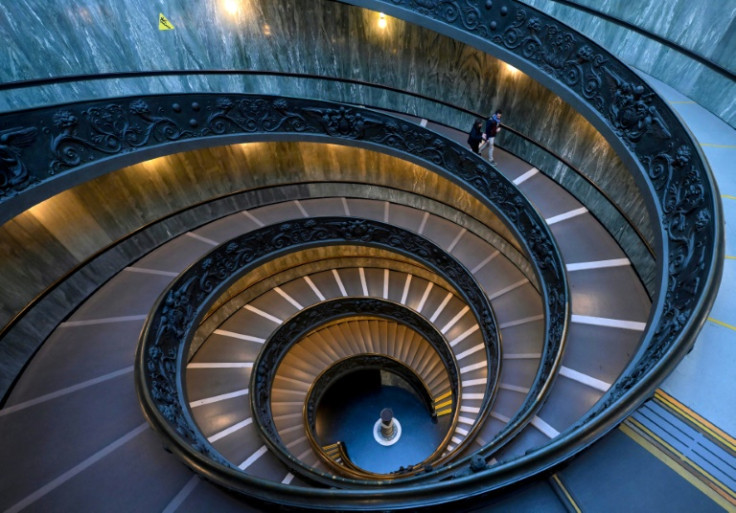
[(488, 142)]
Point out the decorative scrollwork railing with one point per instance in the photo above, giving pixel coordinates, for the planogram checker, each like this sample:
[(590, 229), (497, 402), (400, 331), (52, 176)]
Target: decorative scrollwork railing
[(651, 140), (237, 118), (173, 321), (293, 330)]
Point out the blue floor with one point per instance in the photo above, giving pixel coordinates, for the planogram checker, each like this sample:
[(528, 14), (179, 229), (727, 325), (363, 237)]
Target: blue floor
[(705, 380), (352, 423), (617, 475)]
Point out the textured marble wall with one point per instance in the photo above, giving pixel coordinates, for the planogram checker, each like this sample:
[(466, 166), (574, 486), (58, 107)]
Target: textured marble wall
[(320, 37), (706, 27), (44, 244), (41, 245)]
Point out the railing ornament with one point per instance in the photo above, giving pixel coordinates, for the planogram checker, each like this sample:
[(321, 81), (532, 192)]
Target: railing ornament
[(14, 175), (176, 316), (663, 156)]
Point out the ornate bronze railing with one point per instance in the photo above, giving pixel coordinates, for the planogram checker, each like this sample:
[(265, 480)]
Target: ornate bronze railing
[(238, 118), (664, 159), (293, 330), (174, 319)]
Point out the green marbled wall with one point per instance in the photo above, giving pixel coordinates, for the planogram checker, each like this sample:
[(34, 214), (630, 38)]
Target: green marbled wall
[(705, 27), (318, 37)]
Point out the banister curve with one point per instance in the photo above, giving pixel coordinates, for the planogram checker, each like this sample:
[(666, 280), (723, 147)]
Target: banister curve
[(307, 320), (362, 128), (651, 140), (667, 162)]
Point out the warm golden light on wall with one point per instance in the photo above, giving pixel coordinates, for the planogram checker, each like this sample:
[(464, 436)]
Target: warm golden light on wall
[(232, 6), (46, 209), (153, 166), (382, 21), (512, 70), (239, 11)]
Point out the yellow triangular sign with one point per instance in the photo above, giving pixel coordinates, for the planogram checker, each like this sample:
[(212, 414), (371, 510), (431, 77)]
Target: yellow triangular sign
[(163, 23)]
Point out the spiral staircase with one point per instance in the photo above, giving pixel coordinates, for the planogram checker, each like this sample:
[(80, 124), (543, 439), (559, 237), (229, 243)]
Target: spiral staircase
[(520, 325)]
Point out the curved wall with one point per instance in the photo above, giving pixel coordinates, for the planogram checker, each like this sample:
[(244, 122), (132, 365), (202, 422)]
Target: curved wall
[(71, 227), (322, 37), (135, 198), (705, 28), (162, 198)]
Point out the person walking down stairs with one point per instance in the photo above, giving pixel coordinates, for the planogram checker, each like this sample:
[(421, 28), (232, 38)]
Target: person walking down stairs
[(493, 126)]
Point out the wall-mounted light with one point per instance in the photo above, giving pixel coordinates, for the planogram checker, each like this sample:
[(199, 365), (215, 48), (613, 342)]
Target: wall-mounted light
[(512, 70), (155, 166), (232, 6), (382, 21), (266, 29)]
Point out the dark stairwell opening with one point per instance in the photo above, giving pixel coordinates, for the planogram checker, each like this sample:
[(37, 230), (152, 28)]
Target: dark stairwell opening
[(352, 405)]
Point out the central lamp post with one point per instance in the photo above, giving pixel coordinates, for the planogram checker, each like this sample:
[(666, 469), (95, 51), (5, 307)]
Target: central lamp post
[(387, 429)]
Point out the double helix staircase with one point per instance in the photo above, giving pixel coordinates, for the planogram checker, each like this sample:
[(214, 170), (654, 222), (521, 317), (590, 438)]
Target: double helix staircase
[(219, 372), (213, 331), (608, 303)]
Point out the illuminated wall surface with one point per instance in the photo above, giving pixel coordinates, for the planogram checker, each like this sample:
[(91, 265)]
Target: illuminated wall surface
[(321, 38), (53, 38), (704, 28)]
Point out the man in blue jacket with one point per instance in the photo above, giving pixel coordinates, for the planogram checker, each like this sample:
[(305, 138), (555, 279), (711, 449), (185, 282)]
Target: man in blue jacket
[(493, 126)]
